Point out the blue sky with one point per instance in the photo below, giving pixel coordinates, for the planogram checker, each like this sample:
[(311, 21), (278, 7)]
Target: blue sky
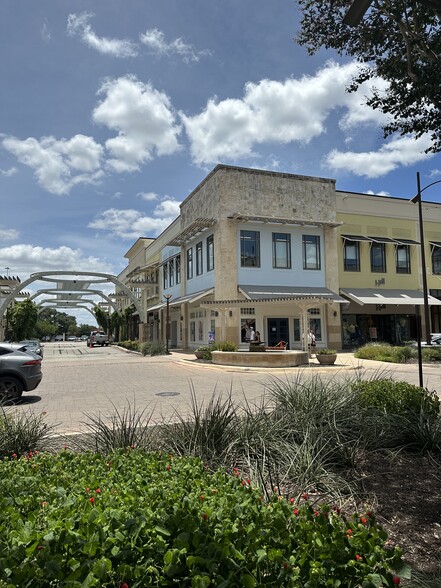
[(112, 111)]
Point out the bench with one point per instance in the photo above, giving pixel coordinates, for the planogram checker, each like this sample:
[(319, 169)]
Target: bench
[(281, 346)]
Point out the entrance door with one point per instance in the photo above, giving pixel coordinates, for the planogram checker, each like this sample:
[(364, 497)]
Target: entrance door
[(174, 334), (278, 330)]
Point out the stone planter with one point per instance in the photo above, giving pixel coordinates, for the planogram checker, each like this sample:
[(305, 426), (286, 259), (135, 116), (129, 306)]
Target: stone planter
[(326, 359)]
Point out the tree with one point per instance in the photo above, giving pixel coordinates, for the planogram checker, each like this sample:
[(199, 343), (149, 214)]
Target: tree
[(102, 318), (63, 322), (23, 319), (397, 40)]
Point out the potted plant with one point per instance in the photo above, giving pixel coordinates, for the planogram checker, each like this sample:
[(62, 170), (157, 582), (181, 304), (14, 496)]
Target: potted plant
[(203, 352), (326, 356)]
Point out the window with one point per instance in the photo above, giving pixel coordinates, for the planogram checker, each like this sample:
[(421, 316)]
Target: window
[(199, 261), (210, 253), (311, 252), (189, 263), (436, 260), (165, 276), (282, 250), (351, 256), (378, 257), (171, 272), (250, 249), (178, 269), (403, 259)]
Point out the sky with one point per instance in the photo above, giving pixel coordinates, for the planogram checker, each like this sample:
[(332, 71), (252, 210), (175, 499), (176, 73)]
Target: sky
[(113, 111)]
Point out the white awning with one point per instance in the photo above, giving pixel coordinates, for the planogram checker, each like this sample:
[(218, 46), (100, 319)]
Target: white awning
[(190, 298), (270, 293), (394, 297)]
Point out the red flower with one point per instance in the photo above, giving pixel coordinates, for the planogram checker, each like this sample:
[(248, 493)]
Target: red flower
[(396, 580), (40, 547), (296, 511), (291, 500), (305, 496), (358, 557), (98, 490), (202, 497), (168, 467), (204, 516), (124, 585), (316, 513), (363, 520), (286, 565), (43, 504), (14, 455), (349, 531), (91, 500)]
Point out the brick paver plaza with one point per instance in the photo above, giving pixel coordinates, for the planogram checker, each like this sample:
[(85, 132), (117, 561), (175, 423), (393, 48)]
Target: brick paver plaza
[(79, 381)]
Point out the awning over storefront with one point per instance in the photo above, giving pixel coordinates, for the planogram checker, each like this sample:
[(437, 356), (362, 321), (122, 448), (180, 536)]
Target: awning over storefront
[(370, 239), (190, 298), (364, 296), (269, 293)]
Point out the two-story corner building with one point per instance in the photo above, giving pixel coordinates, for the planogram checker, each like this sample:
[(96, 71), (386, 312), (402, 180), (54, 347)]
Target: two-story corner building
[(380, 267), (282, 254), (251, 248)]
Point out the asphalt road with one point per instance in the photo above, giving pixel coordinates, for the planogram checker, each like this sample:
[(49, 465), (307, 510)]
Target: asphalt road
[(79, 381)]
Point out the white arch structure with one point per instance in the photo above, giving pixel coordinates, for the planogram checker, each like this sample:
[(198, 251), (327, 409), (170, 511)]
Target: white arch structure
[(70, 292)]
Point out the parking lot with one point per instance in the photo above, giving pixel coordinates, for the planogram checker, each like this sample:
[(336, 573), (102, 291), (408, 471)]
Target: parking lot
[(78, 380)]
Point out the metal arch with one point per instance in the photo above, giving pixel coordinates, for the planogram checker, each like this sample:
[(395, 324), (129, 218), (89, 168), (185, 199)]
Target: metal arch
[(69, 292), (43, 276)]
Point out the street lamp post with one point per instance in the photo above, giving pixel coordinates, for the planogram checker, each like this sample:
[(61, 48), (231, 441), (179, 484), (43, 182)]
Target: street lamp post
[(167, 322), (417, 199)]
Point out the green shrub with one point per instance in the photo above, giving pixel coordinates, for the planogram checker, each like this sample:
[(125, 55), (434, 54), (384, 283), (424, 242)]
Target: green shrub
[(130, 345), (326, 351), (22, 432), (145, 348), (224, 346), (384, 352), (397, 398), (430, 354), (150, 520), (157, 348)]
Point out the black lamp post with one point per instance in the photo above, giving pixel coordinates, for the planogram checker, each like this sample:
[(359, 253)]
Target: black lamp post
[(167, 322), (417, 199)]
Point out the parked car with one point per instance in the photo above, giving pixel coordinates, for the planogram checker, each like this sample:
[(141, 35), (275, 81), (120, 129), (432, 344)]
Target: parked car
[(71, 338), (20, 371), (435, 339), (32, 345), (98, 338)]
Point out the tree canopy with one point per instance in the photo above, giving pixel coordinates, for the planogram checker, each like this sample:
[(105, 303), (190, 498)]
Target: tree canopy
[(398, 41), (22, 320)]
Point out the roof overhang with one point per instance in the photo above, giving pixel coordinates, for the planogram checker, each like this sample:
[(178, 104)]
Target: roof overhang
[(364, 296), (369, 239), (195, 228), (295, 222), (297, 294), (190, 298)]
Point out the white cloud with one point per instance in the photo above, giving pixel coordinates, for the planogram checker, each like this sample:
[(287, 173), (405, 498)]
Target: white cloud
[(8, 234), (78, 25), (59, 164), (25, 259), (148, 196), (398, 152), (8, 172), (131, 224), (270, 112), (45, 32), (144, 119), (155, 41), (381, 193)]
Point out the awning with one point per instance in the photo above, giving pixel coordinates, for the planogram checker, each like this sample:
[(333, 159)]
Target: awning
[(355, 238), (190, 298), (396, 240), (381, 239), (270, 293), (364, 296), (435, 243)]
